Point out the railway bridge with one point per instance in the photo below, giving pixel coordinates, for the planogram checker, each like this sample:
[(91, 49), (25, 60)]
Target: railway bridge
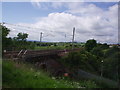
[(43, 59), (47, 60), (25, 54)]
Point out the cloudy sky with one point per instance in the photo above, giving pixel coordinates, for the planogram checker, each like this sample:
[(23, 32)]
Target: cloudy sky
[(92, 20)]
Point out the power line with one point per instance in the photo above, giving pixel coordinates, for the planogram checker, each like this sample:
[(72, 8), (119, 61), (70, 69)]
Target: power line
[(14, 26), (28, 29), (23, 26)]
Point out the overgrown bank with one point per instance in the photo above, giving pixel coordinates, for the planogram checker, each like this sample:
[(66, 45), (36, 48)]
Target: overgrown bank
[(26, 76)]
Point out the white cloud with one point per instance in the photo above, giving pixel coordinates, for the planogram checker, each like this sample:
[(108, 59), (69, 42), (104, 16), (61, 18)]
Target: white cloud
[(36, 4), (57, 5), (89, 20)]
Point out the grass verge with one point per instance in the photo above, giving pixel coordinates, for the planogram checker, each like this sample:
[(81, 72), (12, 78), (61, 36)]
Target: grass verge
[(26, 76)]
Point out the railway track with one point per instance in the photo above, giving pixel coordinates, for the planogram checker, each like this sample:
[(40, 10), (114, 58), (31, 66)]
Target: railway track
[(35, 53), (40, 58)]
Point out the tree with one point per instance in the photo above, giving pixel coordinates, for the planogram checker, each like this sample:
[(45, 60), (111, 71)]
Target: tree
[(22, 36), (103, 46), (6, 42), (82, 60), (5, 31), (112, 63), (90, 44), (20, 42), (97, 51)]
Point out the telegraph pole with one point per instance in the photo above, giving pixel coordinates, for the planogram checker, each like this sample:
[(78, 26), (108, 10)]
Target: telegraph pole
[(73, 38), (40, 38)]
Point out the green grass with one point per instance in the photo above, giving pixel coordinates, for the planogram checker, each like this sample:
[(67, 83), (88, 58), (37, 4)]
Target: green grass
[(26, 76), (51, 47)]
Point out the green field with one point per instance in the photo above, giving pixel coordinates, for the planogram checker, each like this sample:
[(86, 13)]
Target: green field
[(48, 47), (26, 76), (62, 46)]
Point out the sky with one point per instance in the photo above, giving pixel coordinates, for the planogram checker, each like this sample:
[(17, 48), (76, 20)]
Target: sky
[(92, 20)]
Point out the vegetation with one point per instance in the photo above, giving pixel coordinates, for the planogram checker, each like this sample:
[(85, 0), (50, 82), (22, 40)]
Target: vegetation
[(99, 59), (56, 45), (96, 58), (26, 76), (6, 42), (90, 44), (22, 36)]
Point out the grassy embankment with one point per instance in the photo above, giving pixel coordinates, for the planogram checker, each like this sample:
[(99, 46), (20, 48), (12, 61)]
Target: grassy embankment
[(26, 76)]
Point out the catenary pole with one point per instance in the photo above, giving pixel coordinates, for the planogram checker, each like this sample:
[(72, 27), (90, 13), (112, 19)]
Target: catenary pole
[(73, 38), (40, 38)]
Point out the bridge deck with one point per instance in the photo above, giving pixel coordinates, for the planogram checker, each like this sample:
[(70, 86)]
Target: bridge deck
[(36, 53)]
